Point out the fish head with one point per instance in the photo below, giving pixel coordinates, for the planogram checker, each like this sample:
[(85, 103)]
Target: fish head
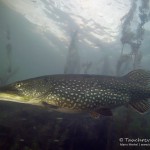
[(12, 92), (27, 91)]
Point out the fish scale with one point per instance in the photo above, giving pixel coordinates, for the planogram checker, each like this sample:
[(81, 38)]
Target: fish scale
[(90, 93)]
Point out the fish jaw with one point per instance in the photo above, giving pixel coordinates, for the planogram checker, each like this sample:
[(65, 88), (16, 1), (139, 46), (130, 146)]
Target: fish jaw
[(21, 98), (12, 97), (12, 93)]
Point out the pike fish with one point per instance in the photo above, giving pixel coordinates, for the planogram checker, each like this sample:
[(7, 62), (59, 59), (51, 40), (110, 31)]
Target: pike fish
[(95, 94)]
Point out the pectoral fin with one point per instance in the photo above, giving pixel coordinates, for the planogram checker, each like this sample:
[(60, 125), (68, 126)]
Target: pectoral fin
[(49, 106), (95, 115), (141, 107), (101, 112)]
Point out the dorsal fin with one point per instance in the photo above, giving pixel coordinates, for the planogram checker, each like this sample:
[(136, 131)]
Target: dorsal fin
[(139, 76)]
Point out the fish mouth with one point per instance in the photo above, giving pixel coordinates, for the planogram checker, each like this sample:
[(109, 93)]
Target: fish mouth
[(9, 93)]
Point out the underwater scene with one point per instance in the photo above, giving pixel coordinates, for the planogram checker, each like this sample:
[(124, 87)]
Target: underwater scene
[(74, 74)]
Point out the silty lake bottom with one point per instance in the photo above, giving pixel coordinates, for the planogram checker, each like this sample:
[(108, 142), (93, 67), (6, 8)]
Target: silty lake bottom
[(27, 127)]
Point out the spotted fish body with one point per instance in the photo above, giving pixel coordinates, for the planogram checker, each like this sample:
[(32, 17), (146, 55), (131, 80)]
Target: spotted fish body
[(91, 93)]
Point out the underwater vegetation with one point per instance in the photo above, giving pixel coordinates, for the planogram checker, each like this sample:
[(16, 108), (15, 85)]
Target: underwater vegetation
[(73, 58), (131, 37), (10, 71)]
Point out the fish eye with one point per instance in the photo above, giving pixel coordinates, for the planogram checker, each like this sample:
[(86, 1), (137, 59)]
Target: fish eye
[(18, 84)]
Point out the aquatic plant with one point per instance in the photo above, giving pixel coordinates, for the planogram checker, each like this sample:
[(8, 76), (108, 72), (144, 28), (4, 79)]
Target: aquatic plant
[(10, 72), (73, 58), (133, 37), (86, 67), (123, 64)]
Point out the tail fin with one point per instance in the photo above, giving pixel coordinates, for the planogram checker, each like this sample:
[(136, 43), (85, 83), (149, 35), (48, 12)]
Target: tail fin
[(139, 76)]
